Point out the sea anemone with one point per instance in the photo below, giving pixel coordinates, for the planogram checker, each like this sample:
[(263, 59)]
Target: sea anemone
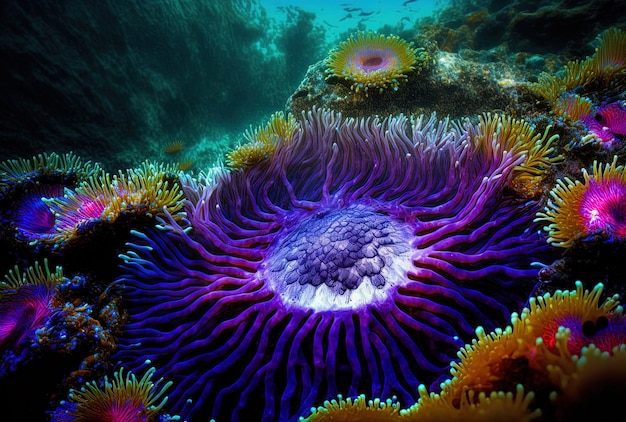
[(27, 223), (581, 313), (31, 218), (357, 259), (598, 74), (597, 205), (174, 147), (25, 303), (473, 407), (104, 201), (262, 141), (66, 169), (592, 385), (371, 61), (360, 408), (573, 107), (608, 124), (519, 136), (549, 332), (124, 399), (610, 57)]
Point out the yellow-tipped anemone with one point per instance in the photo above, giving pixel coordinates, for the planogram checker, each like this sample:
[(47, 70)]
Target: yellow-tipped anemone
[(578, 209), (607, 63), (125, 398), (263, 141), (519, 137), (36, 274), (358, 409), (573, 107), (371, 61), (148, 190), (516, 373)]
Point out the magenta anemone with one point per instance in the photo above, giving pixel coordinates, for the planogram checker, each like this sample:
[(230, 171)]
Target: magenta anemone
[(25, 304), (608, 124), (356, 260)]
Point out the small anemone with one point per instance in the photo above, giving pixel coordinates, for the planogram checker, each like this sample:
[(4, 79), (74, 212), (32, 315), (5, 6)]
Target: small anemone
[(552, 327), (580, 311), (263, 141), (608, 124), (124, 399), (579, 209), (371, 61)]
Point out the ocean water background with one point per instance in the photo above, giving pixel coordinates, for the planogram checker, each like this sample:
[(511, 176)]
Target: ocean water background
[(341, 17), (115, 82)]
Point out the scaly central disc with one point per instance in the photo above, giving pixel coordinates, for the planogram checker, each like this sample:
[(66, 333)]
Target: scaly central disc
[(340, 259)]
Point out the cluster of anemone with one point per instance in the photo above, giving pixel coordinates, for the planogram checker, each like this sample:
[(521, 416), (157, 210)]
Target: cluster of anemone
[(125, 398), (145, 191), (261, 142), (25, 183), (357, 259), (595, 206), (570, 94), (375, 62), (547, 365), (48, 314)]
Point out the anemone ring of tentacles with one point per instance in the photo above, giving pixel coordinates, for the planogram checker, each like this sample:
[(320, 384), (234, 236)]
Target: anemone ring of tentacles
[(357, 260)]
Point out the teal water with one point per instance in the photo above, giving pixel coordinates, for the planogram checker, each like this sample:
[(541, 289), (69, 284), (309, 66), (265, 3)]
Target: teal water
[(340, 17)]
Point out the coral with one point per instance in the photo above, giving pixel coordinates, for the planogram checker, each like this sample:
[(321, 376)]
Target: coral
[(263, 141), (50, 317), (375, 62), (124, 399), (596, 205), (356, 259)]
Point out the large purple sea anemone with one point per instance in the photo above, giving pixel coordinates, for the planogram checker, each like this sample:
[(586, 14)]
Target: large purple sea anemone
[(357, 259)]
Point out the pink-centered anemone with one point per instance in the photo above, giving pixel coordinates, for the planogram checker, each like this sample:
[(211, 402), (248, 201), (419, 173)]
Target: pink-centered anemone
[(595, 205), (25, 303), (27, 223), (371, 61), (356, 259), (608, 124)]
